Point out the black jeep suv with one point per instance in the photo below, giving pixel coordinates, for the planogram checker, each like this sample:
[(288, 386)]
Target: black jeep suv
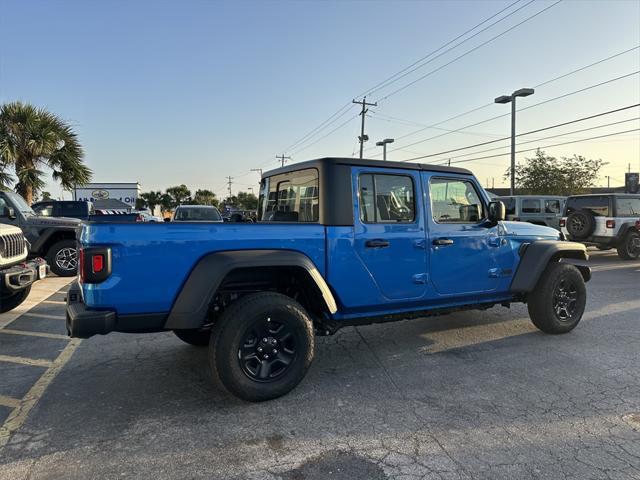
[(49, 237)]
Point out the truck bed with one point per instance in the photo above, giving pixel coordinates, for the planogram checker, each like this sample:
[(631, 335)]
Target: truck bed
[(160, 256)]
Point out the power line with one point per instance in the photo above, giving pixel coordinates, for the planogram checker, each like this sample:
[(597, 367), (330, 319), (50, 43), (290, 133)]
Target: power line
[(549, 146), (524, 108), (344, 109), (554, 136), (409, 69), (413, 82), (525, 133), (325, 135), (332, 119), (546, 82)]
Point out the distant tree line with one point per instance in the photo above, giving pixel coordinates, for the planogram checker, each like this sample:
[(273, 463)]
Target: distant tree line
[(181, 195), (547, 175)]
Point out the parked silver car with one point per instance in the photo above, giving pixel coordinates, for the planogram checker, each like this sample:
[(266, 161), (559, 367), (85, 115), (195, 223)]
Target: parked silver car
[(536, 209)]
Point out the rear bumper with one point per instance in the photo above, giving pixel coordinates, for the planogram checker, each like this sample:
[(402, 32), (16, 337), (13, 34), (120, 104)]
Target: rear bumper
[(83, 322), (19, 277)]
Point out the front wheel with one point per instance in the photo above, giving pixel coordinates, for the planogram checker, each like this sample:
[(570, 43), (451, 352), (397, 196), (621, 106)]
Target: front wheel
[(10, 301), (558, 301), (62, 257), (262, 346), (629, 248)]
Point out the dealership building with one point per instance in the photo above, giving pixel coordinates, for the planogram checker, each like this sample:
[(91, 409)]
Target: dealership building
[(115, 196)]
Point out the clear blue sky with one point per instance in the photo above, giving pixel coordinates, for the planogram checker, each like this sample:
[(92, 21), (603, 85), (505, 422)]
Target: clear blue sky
[(189, 92)]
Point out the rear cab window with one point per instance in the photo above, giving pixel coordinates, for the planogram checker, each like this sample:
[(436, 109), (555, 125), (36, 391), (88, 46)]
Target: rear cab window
[(455, 201), (290, 197), (599, 205)]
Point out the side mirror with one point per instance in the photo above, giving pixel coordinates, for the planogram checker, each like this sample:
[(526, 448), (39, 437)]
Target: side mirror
[(10, 212), (497, 212)]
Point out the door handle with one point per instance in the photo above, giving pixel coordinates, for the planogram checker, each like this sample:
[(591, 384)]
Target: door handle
[(442, 242), (376, 243)]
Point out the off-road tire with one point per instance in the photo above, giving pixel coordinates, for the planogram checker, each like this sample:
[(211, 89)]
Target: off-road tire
[(9, 302), (541, 302), (625, 248), (230, 331), (53, 260), (197, 338), (580, 224)]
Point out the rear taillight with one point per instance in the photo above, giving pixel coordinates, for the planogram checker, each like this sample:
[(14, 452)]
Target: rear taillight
[(139, 218), (638, 225), (563, 222), (95, 264), (611, 224)]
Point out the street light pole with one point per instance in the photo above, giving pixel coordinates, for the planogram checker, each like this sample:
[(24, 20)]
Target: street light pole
[(383, 144), (523, 92)]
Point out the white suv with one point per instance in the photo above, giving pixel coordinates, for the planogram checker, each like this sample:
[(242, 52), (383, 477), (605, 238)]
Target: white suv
[(606, 221), (16, 273)]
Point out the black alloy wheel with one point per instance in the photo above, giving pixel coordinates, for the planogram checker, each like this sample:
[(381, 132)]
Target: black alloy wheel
[(267, 350), (565, 299), (261, 346)]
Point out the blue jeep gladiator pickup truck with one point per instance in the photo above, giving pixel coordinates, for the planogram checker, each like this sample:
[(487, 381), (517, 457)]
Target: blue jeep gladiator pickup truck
[(338, 242)]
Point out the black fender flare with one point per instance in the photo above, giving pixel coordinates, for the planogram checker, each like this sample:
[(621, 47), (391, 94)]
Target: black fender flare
[(537, 255), (191, 306)]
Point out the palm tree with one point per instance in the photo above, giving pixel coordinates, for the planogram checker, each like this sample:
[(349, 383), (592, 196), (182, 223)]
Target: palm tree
[(31, 138), (152, 199)]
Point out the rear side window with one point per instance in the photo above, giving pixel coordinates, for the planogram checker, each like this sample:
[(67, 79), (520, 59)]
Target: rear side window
[(509, 204), (290, 197), (552, 206), (198, 214), (455, 201), (530, 205), (627, 207), (597, 205), (386, 198)]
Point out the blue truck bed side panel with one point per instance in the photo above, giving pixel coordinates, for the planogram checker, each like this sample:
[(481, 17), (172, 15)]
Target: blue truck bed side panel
[(152, 261)]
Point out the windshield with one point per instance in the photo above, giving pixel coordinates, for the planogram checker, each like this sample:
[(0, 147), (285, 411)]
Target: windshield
[(198, 214), (19, 203)]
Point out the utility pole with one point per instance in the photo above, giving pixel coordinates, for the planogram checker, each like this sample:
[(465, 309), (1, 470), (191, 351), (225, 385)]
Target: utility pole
[(282, 158), (259, 170), (363, 138), (229, 185), (608, 181)]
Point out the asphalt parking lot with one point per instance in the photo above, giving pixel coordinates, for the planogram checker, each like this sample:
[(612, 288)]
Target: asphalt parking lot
[(475, 395)]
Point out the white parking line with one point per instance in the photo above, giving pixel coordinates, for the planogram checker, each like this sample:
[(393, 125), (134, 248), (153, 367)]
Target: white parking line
[(9, 401), (34, 334), (20, 413), (35, 362), (40, 291)]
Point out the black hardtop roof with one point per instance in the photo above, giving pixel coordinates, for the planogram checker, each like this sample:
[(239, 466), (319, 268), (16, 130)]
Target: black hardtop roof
[(363, 162)]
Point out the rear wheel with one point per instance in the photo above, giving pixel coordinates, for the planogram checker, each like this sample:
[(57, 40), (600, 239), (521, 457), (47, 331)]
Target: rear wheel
[(262, 346), (10, 301), (580, 224), (62, 257), (629, 248), (557, 303), (197, 338)]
